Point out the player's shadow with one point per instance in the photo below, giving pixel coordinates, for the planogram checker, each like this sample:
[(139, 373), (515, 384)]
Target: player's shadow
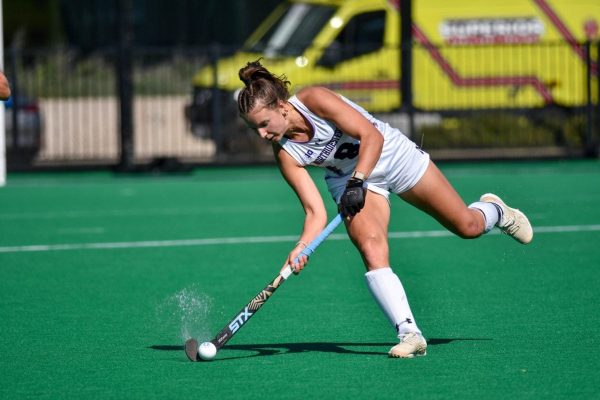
[(272, 349)]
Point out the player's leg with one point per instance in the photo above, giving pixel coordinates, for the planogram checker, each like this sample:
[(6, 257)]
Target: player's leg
[(436, 196), (368, 231)]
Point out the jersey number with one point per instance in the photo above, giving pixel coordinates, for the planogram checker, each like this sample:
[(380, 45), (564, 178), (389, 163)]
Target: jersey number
[(347, 150)]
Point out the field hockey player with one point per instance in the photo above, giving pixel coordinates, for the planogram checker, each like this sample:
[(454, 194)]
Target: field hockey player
[(365, 160)]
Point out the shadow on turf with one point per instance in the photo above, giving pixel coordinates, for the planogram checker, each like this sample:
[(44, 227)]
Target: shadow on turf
[(271, 349)]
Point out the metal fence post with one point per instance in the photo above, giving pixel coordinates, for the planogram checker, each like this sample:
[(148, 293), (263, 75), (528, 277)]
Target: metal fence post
[(590, 145), (589, 126), (125, 82), (597, 145), (406, 73), (14, 53), (217, 131)]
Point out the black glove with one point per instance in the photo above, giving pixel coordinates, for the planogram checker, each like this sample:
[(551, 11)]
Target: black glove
[(353, 199)]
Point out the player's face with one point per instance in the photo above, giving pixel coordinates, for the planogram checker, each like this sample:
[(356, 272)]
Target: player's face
[(268, 123)]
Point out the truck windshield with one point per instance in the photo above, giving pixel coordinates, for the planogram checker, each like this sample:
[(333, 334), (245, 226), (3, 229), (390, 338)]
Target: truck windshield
[(294, 31)]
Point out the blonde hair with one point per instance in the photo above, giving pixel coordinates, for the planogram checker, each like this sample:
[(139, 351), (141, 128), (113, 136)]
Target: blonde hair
[(261, 86)]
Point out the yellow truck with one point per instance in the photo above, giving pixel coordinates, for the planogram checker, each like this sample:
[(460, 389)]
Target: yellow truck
[(467, 54)]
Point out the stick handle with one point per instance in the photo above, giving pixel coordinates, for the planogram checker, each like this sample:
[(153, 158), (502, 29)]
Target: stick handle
[(312, 246)]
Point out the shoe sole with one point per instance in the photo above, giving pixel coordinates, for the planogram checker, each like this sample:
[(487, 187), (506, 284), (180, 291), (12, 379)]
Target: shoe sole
[(413, 355), (420, 350), (489, 197)]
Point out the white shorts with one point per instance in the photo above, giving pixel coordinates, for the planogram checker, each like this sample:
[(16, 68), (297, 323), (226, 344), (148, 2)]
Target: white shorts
[(400, 167)]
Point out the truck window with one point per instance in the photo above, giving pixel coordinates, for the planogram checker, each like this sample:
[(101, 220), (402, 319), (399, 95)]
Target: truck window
[(362, 34), (294, 31)]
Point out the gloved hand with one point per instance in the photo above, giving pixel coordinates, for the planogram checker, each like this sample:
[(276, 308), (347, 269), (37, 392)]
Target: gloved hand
[(353, 199)]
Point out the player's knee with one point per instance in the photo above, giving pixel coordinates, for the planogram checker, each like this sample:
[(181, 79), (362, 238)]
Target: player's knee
[(468, 229), (371, 244)]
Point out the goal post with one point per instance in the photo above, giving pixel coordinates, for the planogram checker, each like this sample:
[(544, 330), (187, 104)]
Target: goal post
[(2, 123)]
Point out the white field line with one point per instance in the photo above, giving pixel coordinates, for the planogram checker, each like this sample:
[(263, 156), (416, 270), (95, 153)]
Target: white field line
[(166, 212), (258, 239)]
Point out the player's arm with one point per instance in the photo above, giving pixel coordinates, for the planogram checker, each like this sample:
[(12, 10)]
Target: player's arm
[(4, 87), (315, 214), (330, 106)]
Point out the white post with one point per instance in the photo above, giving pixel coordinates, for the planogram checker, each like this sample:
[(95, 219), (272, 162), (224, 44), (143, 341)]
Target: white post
[(2, 124)]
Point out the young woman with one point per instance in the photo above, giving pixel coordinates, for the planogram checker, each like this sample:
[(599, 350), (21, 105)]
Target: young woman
[(365, 160)]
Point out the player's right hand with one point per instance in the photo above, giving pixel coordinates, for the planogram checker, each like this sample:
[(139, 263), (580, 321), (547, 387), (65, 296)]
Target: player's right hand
[(353, 199), (295, 254)]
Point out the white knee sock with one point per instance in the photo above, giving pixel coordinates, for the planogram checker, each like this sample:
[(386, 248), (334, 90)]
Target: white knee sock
[(490, 212), (389, 293)]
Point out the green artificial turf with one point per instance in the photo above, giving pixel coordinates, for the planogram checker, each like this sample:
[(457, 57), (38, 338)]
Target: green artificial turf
[(100, 287)]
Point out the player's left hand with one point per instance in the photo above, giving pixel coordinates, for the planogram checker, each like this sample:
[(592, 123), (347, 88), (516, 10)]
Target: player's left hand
[(353, 199)]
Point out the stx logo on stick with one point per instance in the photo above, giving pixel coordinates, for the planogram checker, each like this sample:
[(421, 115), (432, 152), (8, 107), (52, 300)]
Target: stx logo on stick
[(240, 320)]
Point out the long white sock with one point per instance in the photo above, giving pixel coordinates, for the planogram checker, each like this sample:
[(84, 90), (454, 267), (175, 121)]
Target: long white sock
[(389, 293), (490, 211)]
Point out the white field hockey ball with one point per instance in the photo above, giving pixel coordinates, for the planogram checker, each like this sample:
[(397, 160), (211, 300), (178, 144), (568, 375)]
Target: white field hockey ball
[(207, 351)]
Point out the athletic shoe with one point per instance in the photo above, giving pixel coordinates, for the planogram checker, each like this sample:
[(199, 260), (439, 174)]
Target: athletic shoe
[(411, 344), (513, 222)]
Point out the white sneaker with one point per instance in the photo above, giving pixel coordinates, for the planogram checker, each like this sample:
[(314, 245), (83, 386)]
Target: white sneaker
[(513, 222), (411, 344)]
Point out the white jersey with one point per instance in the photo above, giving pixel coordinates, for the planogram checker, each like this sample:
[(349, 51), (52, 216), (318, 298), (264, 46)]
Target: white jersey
[(398, 169)]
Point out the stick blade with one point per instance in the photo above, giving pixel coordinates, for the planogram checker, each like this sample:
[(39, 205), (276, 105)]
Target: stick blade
[(191, 349)]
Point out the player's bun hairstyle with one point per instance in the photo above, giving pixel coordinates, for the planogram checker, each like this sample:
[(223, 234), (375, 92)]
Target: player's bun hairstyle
[(261, 86)]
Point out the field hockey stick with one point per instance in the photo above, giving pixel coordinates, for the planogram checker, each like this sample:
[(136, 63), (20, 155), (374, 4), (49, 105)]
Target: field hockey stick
[(191, 345)]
